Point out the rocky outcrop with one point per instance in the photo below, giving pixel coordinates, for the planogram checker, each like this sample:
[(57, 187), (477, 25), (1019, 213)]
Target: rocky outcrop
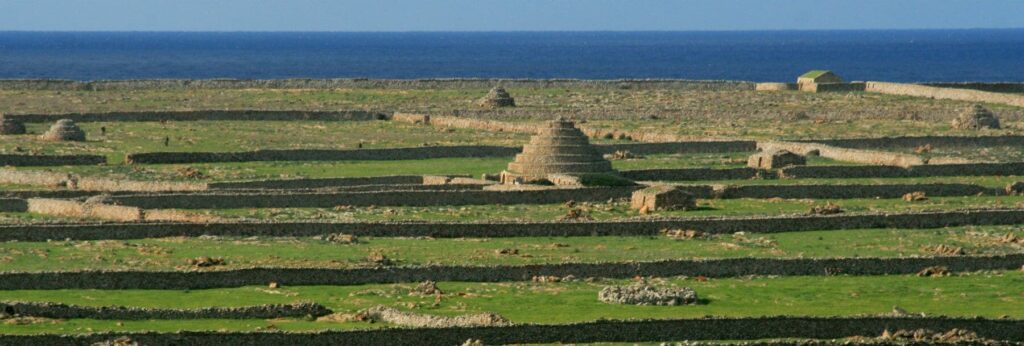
[(641, 294)]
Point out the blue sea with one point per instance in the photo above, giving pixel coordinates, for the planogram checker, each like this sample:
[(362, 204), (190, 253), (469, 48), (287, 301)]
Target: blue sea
[(905, 55)]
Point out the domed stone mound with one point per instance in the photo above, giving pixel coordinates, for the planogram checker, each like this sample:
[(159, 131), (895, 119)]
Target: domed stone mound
[(11, 126), (558, 148), (497, 97), (976, 117), (64, 130)]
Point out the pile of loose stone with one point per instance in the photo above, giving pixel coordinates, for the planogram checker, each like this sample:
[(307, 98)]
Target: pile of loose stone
[(642, 294), (497, 98), (976, 117)]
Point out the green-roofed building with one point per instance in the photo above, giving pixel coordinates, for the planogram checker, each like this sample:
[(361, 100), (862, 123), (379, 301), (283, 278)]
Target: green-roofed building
[(819, 77)]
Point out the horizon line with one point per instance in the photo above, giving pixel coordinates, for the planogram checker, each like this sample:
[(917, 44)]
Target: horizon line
[(500, 31)]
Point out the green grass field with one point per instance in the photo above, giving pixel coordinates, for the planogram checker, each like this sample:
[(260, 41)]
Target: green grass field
[(988, 294), (173, 253)]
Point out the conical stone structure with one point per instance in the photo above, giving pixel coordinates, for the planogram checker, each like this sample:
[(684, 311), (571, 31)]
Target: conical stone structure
[(497, 97), (64, 130), (976, 117), (558, 148), (11, 126)]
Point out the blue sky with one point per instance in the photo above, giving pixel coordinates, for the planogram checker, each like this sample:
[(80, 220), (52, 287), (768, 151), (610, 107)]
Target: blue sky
[(504, 15)]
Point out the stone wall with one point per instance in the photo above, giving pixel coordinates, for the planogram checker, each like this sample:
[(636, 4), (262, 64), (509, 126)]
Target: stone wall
[(362, 83), (841, 191), (231, 200), (998, 87), (416, 153), (945, 93), (63, 311), (687, 174), (916, 141), (832, 87), (845, 154), (50, 160), (248, 115), (727, 267), (83, 183), (654, 330), (775, 86), (13, 205), (968, 169), (313, 183), (629, 227)]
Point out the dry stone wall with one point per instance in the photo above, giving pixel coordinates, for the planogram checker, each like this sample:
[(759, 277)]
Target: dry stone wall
[(50, 160), (635, 227), (656, 330), (63, 311), (841, 191), (362, 83), (248, 115), (686, 174), (228, 200), (319, 183), (998, 87), (845, 154), (323, 154), (917, 141), (968, 169), (730, 267), (83, 183), (945, 93)]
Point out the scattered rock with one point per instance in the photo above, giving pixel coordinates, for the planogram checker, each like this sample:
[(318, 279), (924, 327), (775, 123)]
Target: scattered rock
[(921, 149), (1011, 238), (641, 294), (340, 238), (473, 342), (205, 261), (976, 117), (576, 214), (190, 173), (954, 335), (622, 155), (827, 209), (684, 234), (120, 341), (426, 288), (409, 319), (933, 271), (915, 196), (1015, 188), (378, 258), (64, 130), (507, 251), (945, 250)]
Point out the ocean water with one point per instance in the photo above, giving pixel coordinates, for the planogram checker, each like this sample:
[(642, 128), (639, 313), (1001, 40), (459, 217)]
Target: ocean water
[(906, 55)]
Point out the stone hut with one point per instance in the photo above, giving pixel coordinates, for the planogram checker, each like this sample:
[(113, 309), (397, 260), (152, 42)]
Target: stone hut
[(773, 159), (558, 148), (64, 130), (496, 98), (662, 197), (11, 126), (976, 117), (819, 77)]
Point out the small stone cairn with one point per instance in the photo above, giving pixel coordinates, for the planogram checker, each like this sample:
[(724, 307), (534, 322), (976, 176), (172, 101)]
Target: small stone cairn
[(64, 130), (558, 148), (497, 98), (11, 126), (641, 294), (976, 117)]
